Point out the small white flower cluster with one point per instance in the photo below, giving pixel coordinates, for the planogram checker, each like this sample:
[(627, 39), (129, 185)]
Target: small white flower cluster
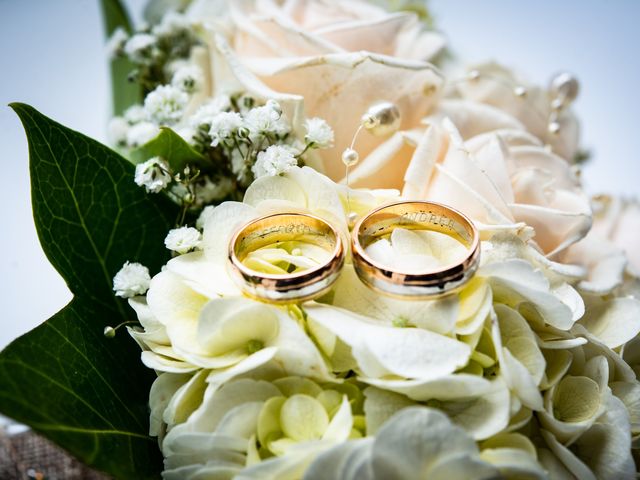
[(182, 240), (153, 175), (246, 133), (132, 279), (116, 43), (165, 105), (188, 78), (319, 133), (142, 48), (275, 160)]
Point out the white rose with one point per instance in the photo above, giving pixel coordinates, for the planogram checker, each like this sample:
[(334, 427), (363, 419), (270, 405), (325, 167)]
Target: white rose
[(609, 252), (336, 78), (500, 178), (498, 86)]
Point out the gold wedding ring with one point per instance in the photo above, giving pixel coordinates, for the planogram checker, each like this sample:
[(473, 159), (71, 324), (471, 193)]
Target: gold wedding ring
[(275, 231), (415, 216)]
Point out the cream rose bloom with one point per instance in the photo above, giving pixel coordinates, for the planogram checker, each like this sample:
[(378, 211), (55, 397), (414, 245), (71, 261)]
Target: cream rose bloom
[(503, 178), (609, 253), (316, 58), (496, 86)]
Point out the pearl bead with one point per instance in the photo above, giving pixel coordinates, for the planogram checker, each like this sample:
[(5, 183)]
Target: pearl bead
[(554, 128), (520, 91), (565, 87), (557, 104), (473, 75), (350, 157), (381, 119), (352, 218)]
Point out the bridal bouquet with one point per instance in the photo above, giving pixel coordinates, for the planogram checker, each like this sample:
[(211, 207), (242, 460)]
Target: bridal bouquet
[(230, 111)]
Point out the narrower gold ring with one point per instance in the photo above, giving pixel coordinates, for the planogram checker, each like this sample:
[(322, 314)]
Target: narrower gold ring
[(272, 230), (415, 216)]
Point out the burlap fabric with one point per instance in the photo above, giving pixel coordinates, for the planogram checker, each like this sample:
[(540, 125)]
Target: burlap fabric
[(30, 456)]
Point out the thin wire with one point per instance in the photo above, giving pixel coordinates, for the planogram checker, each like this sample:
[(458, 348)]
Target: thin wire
[(348, 167)]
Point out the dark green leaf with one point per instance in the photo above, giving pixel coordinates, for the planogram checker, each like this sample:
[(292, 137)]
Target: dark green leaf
[(85, 392), (124, 92), (64, 379), (172, 147)]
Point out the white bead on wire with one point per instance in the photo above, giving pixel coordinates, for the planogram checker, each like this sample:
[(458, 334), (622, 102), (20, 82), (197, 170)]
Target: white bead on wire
[(381, 119)]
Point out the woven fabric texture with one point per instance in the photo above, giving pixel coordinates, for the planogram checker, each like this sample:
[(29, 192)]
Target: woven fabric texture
[(30, 456)]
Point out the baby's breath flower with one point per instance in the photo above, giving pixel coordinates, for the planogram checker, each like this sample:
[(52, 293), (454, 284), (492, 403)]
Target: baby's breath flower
[(173, 23), (117, 131), (207, 111), (132, 279), (140, 48), (204, 216), (188, 78), (165, 105), (153, 175), (141, 133), (135, 114), (267, 119), (275, 160), (318, 132), (183, 239), (117, 40), (223, 126)]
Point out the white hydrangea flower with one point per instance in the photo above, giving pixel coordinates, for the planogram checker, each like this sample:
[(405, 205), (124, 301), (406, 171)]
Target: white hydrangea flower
[(223, 125), (141, 133), (188, 78), (275, 160), (117, 131), (132, 279), (117, 40), (204, 216), (166, 104), (139, 48), (183, 239), (135, 114), (153, 175), (318, 132), (267, 119), (172, 24), (207, 111)]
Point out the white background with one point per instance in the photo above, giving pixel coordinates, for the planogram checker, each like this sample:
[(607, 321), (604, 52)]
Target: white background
[(51, 56)]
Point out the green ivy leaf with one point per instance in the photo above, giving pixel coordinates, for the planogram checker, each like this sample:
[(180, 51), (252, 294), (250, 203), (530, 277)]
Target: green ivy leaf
[(172, 147), (67, 381), (124, 92)]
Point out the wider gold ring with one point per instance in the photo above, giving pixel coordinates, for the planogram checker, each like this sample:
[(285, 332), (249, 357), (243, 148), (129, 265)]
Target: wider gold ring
[(272, 230), (415, 216)]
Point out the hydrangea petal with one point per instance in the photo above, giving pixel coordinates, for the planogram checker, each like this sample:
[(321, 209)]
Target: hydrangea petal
[(614, 321), (220, 226), (447, 387), (380, 405), (380, 351), (515, 281), (408, 444), (514, 463), (435, 315)]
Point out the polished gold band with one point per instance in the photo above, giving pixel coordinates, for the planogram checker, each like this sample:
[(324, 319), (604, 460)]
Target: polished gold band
[(275, 229), (415, 216)]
